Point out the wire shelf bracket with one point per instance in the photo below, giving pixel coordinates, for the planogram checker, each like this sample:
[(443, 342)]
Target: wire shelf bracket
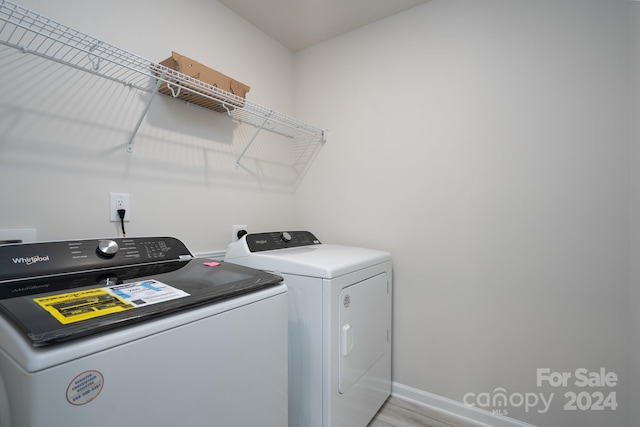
[(142, 116)]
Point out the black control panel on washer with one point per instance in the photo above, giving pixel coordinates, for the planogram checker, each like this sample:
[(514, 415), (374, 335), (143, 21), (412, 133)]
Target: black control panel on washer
[(279, 240), (46, 258)]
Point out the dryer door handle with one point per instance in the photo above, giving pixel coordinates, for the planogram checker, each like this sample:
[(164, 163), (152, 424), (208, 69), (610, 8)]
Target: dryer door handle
[(347, 340)]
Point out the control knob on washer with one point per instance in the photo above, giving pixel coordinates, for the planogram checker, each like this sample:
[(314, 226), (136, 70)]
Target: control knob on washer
[(107, 248), (285, 236)]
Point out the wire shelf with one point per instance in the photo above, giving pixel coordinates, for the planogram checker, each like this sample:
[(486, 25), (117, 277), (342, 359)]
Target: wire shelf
[(35, 34)]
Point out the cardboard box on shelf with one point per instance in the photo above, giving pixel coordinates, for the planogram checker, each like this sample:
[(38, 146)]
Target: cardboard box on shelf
[(196, 70)]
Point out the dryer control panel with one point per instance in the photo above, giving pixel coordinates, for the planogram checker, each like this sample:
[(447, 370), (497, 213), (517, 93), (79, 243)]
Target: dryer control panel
[(280, 240)]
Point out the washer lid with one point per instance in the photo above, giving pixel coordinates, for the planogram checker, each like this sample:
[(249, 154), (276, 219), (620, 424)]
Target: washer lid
[(65, 307), (318, 260)]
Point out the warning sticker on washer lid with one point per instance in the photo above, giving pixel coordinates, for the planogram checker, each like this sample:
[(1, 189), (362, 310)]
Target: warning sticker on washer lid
[(82, 305), (146, 292), (74, 307)]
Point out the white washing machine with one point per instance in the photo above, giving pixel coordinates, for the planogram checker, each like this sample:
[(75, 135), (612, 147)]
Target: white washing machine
[(137, 332), (339, 324)]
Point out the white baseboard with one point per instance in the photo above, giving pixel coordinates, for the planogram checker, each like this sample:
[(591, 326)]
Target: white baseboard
[(453, 408)]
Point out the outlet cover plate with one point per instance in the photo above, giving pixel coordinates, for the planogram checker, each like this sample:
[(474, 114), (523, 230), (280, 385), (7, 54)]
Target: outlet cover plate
[(119, 201)]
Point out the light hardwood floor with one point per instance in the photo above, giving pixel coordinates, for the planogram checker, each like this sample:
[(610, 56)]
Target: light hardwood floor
[(400, 413)]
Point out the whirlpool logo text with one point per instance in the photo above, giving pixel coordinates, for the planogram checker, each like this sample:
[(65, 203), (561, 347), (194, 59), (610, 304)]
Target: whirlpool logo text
[(28, 260)]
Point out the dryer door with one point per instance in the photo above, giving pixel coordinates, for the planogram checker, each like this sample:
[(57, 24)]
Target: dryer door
[(364, 321)]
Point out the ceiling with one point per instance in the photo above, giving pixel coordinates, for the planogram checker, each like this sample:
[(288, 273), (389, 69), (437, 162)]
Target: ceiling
[(298, 24)]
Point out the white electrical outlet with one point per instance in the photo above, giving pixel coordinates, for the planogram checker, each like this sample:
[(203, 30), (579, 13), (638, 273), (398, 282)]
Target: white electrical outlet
[(119, 201), (234, 232)]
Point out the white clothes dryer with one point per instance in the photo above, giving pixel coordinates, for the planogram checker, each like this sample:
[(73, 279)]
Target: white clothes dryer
[(339, 324)]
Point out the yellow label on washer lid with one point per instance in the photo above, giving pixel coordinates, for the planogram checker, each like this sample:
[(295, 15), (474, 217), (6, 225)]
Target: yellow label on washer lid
[(82, 305)]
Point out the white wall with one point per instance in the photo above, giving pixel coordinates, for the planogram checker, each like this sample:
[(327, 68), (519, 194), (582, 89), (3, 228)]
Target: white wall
[(486, 145), (634, 300), (63, 134)]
